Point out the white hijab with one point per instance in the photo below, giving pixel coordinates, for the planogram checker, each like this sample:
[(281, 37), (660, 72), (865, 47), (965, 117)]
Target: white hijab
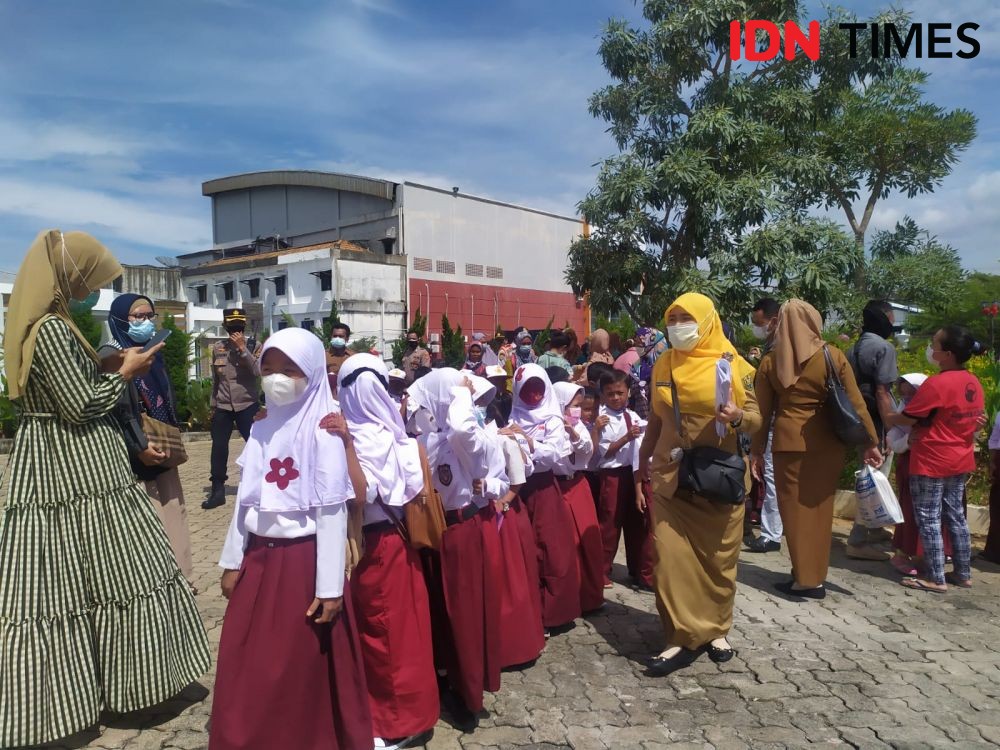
[(433, 392), (481, 388), (391, 460), (566, 392), (289, 463), (532, 420)]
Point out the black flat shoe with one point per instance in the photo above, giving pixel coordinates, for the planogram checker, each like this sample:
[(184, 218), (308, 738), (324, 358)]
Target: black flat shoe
[(720, 655), (760, 544), (788, 587), (660, 667)]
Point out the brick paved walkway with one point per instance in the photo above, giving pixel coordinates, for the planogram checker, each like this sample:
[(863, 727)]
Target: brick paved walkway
[(872, 666)]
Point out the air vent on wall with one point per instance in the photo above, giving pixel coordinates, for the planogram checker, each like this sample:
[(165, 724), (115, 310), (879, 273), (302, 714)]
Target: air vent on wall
[(445, 266), (473, 269), (422, 264), (494, 272)]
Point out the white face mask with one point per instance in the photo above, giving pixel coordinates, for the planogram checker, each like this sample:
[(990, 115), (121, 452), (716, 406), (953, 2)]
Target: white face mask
[(281, 390), (683, 336), (930, 356), (759, 332)]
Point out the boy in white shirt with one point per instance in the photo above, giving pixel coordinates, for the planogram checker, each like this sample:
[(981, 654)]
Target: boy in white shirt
[(619, 431)]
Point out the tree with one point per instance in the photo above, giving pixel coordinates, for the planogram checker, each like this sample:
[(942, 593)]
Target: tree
[(325, 331), (418, 327), (910, 266), (84, 319), (177, 357), (720, 161), (452, 345)]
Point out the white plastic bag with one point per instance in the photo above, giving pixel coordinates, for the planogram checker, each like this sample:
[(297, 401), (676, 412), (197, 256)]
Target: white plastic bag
[(877, 503)]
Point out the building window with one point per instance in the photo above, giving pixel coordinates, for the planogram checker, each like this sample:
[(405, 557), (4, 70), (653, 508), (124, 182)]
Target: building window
[(117, 284), (325, 280), (308, 323), (473, 269), (201, 293), (445, 266), (282, 324), (494, 272), (227, 290), (253, 288), (423, 264), (279, 285)]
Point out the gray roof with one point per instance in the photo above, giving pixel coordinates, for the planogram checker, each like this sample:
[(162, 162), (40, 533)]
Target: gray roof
[(302, 178)]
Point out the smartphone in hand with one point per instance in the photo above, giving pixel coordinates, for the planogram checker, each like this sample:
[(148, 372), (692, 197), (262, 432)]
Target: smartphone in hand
[(159, 337)]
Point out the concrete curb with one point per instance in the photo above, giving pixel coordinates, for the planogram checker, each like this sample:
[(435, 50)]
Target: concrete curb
[(845, 504), (7, 444)]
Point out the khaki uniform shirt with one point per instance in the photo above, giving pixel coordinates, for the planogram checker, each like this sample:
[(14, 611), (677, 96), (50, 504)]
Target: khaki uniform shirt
[(419, 357), (234, 374)]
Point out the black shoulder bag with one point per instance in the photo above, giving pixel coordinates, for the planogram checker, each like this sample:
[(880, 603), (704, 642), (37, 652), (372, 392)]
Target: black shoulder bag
[(712, 473), (844, 419)]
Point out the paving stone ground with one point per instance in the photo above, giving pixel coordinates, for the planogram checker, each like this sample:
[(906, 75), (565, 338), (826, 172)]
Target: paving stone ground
[(872, 666)]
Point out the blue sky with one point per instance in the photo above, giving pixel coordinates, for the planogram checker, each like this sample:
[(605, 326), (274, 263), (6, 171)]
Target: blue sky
[(115, 113)]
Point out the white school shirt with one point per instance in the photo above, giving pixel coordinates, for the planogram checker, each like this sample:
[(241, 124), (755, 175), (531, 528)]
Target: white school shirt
[(496, 482), (583, 451), (615, 429), (459, 455), (550, 445), (328, 523)]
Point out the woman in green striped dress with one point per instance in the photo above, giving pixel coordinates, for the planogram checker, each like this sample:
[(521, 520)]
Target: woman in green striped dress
[(94, 614)]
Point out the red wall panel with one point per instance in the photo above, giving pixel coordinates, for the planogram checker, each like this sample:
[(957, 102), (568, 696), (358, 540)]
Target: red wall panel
[(472, 306)]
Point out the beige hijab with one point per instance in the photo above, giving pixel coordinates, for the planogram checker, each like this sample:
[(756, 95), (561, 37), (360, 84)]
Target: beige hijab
[(58, 268), (798, 337), (600, 344)]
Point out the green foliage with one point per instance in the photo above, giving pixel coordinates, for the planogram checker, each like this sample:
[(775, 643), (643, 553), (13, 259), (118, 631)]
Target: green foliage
[(8, 414), (965, 308), (452, 346), (419, 325), (720, 162), (288, 320), (363, 344), (541, 342), (88, 325), (177, 357), (325, 331), (623, 325), (198, 396)]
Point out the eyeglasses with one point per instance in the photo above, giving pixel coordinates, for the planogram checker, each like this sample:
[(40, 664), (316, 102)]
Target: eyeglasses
[(141, 316)]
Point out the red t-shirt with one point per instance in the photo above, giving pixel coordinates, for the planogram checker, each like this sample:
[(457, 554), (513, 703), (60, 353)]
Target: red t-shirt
[(947, 406)]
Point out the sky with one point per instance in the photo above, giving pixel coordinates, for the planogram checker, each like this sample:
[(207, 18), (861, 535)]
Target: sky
[(114, 113)]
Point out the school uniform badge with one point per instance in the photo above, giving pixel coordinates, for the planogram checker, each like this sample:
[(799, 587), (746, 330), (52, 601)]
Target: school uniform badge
[(444, 474)]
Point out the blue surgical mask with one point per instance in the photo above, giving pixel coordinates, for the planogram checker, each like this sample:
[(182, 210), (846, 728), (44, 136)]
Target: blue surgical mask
[(85, 304), (524, 349), (141, 331), (338, 342), (481, 415)]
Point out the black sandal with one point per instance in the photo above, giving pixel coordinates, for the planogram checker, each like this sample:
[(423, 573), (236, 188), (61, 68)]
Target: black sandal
[(720, 655)]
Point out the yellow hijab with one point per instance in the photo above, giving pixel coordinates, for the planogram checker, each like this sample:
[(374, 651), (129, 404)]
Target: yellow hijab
[(693, 372), (798, 337), (58, 267)]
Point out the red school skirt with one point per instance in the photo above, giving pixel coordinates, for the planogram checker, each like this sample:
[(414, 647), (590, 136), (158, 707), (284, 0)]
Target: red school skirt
[(390, 599), (522, 637), (587, 534), (554, 529), (282, 680)]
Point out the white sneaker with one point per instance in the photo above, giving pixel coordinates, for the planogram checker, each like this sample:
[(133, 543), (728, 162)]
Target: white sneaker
[(397, 744)]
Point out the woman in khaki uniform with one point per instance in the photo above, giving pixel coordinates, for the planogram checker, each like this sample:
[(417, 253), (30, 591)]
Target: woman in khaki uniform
[(808, 457), (697, 540)]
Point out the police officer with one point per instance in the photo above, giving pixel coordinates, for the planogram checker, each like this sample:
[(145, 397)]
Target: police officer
[(235, 398)]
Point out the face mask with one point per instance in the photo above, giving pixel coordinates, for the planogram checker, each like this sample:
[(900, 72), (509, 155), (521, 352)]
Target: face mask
[(481, 415), (573, 414), (85, 304), (930, 356), (759, 332), (141, 331), (524, 349), (683, 336), (411, 344), (236, 327), (281, 390), (338, 342)]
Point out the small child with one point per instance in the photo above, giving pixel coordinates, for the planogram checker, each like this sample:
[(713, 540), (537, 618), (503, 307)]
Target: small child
[(619, 433), (580, 499), (589, 408), (290, 671)]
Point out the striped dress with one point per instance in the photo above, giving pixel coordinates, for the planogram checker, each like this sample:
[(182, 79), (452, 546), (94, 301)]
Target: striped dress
[(94, 613)]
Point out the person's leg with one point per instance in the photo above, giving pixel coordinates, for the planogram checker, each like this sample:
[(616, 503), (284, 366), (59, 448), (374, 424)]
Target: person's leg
[(771, 527), (244, 420), (927, 495), (958, 527), (221, 429)]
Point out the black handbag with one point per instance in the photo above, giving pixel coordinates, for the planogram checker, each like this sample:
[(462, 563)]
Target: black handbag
[(844, 418), (711, 473)]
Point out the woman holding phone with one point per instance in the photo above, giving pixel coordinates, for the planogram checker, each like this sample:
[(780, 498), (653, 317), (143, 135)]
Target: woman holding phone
[(132, 320), (97, 616)]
